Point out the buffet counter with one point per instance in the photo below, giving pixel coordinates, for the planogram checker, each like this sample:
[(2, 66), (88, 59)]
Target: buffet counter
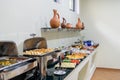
[(83, 71)]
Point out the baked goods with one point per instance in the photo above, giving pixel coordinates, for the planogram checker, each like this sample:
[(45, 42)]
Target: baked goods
[(38, 51)]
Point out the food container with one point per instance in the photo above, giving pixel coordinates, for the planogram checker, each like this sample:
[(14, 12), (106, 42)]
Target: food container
[(88, 43)]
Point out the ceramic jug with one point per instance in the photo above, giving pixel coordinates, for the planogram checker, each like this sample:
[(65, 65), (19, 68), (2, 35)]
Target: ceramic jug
[(79, 24), (63, 24), (55, 21)]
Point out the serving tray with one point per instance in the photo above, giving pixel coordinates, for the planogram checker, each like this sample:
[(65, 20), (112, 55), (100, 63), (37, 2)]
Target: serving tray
[(41, 55)]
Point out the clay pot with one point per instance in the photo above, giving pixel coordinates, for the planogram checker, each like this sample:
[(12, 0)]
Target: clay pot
[(55, 21), (79, 24), (68, 25), (83, 27), (63, 24)]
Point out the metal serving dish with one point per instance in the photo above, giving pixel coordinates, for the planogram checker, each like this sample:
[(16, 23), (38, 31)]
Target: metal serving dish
[(11, 67), (41, 55)]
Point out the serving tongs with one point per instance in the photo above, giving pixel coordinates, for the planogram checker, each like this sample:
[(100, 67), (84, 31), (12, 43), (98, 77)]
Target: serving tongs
[(60, 61)]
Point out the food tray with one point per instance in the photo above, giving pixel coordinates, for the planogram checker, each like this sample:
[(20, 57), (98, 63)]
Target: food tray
[(67, 65), (76, 58), (16, 61), (41, 55)]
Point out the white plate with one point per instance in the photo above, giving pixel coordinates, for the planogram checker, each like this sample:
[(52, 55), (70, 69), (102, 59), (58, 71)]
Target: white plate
[(59, 72)]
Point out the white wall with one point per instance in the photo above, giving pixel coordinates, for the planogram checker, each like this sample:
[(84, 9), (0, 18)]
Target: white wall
[(20, 18), (101, 19)]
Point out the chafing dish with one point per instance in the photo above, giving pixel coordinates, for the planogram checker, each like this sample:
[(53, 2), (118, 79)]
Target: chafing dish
[(38, 43), (42, 61), (11, 67)]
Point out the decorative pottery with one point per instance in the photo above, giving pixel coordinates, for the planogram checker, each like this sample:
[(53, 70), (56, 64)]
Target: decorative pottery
[(79, 24), (83, 26), (55, 21), (63, 24), (68, 25)]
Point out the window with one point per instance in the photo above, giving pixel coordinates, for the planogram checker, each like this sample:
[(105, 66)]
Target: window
[(74, 5)]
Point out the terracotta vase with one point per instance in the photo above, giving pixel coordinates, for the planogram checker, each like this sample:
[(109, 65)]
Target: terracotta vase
[(55, 21), (63, 24), (68, 25), (79, 24), (83, 27)]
